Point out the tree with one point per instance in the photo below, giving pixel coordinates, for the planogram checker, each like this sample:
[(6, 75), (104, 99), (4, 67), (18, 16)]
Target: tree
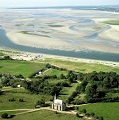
[(83, 111), (55, 90), (7, 58), (4, 115), (91, 89), (62, 76), (41, 103), (101, 118), (1, 92)]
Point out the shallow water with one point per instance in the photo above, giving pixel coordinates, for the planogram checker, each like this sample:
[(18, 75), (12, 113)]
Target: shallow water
[(4, 41), (38, 22)]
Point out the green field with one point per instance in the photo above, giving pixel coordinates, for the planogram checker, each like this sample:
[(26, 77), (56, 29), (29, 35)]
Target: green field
[(16, 67), (52, 72), (110, 111), (67, 91), (80, 66), (19, 93), (46, 115), (112, 22)]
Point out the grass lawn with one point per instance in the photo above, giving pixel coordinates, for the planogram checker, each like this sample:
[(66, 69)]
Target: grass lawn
[(80, 66), (52, 72), (112, 22), (67, 91), (13, 112), (16, 67), (55, 81), (20, 93), (46, 115), (110, 111)]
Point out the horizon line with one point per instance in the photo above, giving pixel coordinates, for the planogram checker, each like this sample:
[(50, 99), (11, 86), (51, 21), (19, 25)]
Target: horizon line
[(54, 6)]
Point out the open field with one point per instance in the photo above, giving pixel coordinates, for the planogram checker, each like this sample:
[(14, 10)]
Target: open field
[(19, 93), (46, 115), (15, 67), (12, 112), (108, 110), (80, 66), (67, 91), (55, 72)]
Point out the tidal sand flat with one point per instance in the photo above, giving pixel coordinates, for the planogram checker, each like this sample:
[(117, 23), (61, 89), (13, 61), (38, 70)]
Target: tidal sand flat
[(66, 29)]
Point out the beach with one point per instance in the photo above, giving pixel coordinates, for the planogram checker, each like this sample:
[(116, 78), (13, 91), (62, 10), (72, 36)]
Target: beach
[(60, 30), (67, 33)]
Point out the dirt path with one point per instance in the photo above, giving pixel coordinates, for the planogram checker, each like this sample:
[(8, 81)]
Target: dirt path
[(34, 110)]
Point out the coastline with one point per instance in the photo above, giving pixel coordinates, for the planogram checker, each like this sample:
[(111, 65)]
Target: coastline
[(56, 39), (36, 56), (28, 56)]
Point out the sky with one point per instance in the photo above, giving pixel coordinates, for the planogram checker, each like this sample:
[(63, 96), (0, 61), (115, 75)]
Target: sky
[(45, 3)]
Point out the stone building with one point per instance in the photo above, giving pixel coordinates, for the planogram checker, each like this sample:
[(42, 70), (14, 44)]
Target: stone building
[(58, 104)]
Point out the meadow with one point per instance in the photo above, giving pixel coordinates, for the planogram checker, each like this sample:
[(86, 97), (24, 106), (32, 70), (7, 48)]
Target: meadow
[(16, 67), (20, 93), (109, 111), (26, 68), (80, 66), (46, 115)]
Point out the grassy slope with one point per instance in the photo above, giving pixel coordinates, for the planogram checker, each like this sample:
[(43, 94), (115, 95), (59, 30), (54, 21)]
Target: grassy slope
[(19, 93), (110, 111), (46, 115), (82, 67), (67, 91), (52, 72), (15, 67)]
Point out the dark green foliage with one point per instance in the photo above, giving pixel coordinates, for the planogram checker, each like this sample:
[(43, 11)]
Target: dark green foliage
[(76, 108), (55, 90), (97, 85), (40, 103), (7, 58), (62, 76), (19, 76), (92, 114), (83, 111), (12, 100), (87, 114), (77, 114), (71, 77), (48, 65), (10, 80), (63, 84), (21, 100), (4, 115), (101, 118), (1, 92), (81, 87), (71, 97)]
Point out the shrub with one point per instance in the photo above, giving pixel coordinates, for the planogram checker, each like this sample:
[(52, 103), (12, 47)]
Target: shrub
[(4, 115), (77, 115), (88, 114), (21, 100), (76, 108), (100, 118), (12, 100), (83, 111)]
